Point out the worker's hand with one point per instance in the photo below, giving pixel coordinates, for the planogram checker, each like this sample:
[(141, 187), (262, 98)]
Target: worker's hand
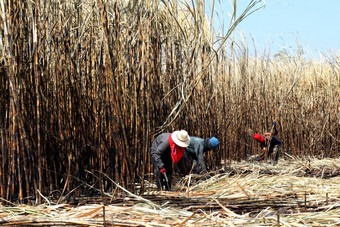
[(162, 171)]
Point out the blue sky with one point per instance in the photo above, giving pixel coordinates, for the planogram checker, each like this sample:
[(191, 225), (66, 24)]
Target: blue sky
[(314, 24)]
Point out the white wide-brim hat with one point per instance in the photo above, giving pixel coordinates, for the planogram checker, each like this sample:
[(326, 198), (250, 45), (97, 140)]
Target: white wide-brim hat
[(181, 138)]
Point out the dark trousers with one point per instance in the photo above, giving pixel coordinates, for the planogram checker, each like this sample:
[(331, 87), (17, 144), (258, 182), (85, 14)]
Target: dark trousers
[(273, 153), (160, 178)]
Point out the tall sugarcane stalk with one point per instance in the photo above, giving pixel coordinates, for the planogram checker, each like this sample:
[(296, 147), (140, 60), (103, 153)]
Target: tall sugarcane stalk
[(36, 71)]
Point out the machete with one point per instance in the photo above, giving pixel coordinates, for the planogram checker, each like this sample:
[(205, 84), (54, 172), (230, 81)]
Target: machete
[(166, 179)]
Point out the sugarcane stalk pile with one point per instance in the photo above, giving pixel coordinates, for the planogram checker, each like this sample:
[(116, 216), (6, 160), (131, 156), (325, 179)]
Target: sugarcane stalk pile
[(248, 193)]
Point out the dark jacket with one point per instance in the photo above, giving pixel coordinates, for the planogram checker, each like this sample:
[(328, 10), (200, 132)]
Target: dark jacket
[(274, 141), (196, 149), (160, 150)]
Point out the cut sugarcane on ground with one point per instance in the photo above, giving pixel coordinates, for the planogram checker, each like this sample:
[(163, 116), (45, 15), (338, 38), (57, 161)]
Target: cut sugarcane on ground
[(296, 192)]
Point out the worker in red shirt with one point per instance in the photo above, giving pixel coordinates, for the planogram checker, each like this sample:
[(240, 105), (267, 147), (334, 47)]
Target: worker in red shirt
[(269, 144), (167, 148)]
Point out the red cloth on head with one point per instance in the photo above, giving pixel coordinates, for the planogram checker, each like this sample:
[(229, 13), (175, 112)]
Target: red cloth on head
[(176, 151), (259, 138)]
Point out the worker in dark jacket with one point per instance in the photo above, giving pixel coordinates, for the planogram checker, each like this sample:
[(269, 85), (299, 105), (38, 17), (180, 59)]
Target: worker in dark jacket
[(195, 151), (269, 144), (165, 149)]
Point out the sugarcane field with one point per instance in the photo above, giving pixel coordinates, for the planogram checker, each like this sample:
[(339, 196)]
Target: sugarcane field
[(144, 113)]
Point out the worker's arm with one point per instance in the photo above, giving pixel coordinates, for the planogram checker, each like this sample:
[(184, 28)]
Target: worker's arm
[(157, 154), (274, 131), (200, 157)]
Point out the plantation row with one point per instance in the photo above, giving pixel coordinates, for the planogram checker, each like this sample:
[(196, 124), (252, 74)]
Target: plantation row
[(86, 86)]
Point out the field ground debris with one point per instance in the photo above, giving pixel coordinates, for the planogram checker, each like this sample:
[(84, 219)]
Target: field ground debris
[(293, 193)]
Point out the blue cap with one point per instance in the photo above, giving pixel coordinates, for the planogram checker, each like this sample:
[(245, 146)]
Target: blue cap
[(214, 142)]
